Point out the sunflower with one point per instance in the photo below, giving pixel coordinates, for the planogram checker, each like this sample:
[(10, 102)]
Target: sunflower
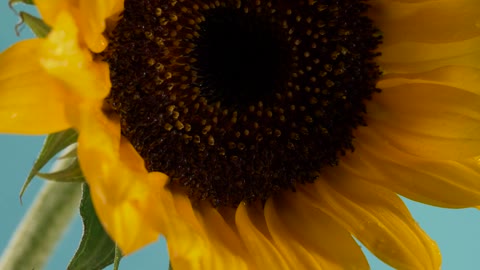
[(260, 134)]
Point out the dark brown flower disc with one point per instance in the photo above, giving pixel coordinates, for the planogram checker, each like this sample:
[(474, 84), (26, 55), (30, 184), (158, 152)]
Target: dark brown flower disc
[(235, 100)]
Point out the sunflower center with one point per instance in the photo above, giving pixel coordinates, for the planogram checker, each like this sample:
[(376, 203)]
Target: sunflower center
[(237, 99), (241, 57)]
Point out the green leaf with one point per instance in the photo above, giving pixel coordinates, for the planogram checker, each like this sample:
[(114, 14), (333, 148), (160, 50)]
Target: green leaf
[(96, 250), (14, 2), (71, 173), (54, 143), (70, 154), (39, 28)]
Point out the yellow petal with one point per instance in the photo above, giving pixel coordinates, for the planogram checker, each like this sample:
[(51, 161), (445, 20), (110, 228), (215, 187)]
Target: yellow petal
[(31, 102), (443, 183), (121, 195), (183, 206), (63, 58), (310, 236), (124, 221), (254, 234), (49, 9), (420, 57), (418, 20), (171, 214), (188, 251), (462, 77), (219, 230), (188, 247), (90, 17), (378, 218), (428, 120), (93, 21), (196, 241), (130, 156)]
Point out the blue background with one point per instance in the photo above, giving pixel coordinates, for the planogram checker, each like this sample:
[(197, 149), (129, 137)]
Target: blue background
[(457, 232)]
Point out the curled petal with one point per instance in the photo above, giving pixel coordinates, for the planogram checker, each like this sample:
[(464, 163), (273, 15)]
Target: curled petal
[(122, 196), (90, 17), (63, 58), (93, 21), (49, 9)]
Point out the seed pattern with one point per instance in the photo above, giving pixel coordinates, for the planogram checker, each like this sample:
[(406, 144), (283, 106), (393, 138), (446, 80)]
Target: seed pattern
[(237, 99)]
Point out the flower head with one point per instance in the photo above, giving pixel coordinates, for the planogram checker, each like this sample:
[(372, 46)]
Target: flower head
[(257, 134)]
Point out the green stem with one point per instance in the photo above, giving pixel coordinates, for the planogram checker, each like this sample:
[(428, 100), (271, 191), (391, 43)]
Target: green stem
[(42, 227), (116, 259)]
